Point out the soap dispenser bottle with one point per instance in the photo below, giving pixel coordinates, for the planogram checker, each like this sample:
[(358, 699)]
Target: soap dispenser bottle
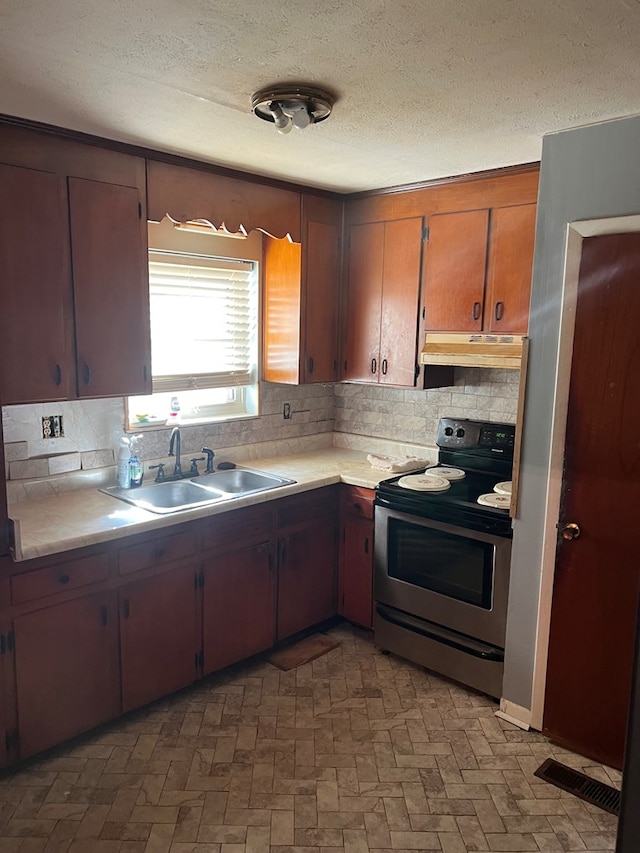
[(124, 454), (135, 466)]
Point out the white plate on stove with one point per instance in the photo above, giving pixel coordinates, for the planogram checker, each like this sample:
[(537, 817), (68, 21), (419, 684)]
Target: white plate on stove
[(424, 483), (495, 500), (451, 474), (503, 488)]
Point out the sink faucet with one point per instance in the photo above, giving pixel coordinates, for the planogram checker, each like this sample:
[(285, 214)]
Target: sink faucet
[(175, 441)]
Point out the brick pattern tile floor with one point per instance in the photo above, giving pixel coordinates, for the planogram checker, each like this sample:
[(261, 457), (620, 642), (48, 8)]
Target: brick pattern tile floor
[(353, 752)]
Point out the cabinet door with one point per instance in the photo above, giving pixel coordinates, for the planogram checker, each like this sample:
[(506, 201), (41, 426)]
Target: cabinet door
[(238, 606), (509, 272), (455, 267), (36, 332), (282, 305), (306, 577), (356, 571), (158, 635), (67, 674), (400, 298), (322, 276), (111, 289), (364, 305)]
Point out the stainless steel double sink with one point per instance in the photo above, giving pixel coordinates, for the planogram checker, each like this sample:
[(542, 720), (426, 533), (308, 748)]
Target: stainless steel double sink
[(176, 495)]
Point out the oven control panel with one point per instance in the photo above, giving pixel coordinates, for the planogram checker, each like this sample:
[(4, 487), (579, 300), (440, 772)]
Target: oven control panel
[(463, 434)]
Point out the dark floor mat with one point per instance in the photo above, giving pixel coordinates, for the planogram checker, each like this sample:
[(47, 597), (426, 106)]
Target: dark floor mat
[(591, 790), (302, 652)]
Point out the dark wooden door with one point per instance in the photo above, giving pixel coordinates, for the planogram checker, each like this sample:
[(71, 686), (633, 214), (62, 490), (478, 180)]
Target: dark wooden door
[(158, 635), (67, 673), (322, 271), (36, 331), (511, 242), (456, 256), (356, 571), (238, 606), (400, 298), (111, 289), (596, 579), (364, 302), (4, 515), (306, 577)]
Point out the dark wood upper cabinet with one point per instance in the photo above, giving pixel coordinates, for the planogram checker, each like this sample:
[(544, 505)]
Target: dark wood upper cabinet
[(185, 194), (301, 298), (73, 271), (111, 290), (365, 250), (455, 260), (511, 241), (36, 325), (478, 270), (381, 326)]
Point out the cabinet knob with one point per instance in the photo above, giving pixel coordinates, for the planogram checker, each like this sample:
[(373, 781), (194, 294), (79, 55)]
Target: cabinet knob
[(366, 545), (384, 366), (374, 366), (58, 375), (499, 310), (104, 615), (64, 578), (475, 313), (310, 364), (86, 374)]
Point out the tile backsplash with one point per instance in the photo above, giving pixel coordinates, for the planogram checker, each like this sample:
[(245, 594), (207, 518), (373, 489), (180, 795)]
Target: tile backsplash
[(412, 415), (92, 428)]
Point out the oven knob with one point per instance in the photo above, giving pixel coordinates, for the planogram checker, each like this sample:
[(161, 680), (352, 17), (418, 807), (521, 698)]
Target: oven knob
[(448, 430), (460, 432)]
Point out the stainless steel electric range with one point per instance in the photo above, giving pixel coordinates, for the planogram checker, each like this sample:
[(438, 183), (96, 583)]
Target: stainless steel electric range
[(442, 556)]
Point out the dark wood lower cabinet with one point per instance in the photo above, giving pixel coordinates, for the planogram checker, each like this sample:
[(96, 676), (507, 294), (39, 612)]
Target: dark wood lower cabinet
[(158, 635), (306, 577), (160, 611), (67, 673), (238, 606), (355, 600)]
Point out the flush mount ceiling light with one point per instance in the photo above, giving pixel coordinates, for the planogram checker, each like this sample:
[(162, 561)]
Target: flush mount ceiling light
[(292, 106)]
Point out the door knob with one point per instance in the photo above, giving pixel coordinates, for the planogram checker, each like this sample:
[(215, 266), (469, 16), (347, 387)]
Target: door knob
[(569, 531)]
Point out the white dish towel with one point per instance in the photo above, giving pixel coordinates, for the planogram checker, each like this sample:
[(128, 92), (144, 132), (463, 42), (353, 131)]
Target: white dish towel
[(393, 464)]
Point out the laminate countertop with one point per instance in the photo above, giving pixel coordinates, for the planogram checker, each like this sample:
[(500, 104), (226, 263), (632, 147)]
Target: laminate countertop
[(82, 517)]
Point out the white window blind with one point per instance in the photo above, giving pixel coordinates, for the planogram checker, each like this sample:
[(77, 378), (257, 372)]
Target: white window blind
[(203, 322)]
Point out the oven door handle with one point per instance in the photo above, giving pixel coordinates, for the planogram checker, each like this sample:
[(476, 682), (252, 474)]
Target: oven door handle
[(490, 653)]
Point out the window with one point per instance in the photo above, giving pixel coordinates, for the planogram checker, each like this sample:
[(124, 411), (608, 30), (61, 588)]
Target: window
[(204, 339)]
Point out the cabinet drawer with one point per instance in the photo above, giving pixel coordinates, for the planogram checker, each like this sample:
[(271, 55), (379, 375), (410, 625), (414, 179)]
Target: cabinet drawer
[(237, 529), (357, 501), (156, 552), (59, 578)]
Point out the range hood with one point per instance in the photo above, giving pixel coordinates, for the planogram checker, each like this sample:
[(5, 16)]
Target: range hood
[(471, 350)]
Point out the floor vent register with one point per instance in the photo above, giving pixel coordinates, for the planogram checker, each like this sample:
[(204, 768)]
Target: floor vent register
[(588, 789)]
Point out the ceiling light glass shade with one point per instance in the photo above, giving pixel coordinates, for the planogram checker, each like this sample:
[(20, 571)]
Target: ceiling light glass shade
[(292, 106)]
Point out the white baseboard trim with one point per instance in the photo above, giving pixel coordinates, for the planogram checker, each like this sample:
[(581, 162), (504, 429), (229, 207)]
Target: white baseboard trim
[(515, 714)]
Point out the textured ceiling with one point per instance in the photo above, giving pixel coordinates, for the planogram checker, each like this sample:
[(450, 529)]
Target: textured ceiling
[(426, 88)]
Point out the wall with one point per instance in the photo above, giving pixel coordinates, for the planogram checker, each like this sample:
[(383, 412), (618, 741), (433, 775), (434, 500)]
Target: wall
[(412, 416), (93, 427), (589, 173), (96, 425)]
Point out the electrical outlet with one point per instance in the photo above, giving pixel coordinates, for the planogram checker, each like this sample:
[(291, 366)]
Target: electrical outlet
[(286, 411), (52, 426)]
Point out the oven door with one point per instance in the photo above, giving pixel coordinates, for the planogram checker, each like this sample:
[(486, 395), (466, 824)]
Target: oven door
[(449, 575)]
